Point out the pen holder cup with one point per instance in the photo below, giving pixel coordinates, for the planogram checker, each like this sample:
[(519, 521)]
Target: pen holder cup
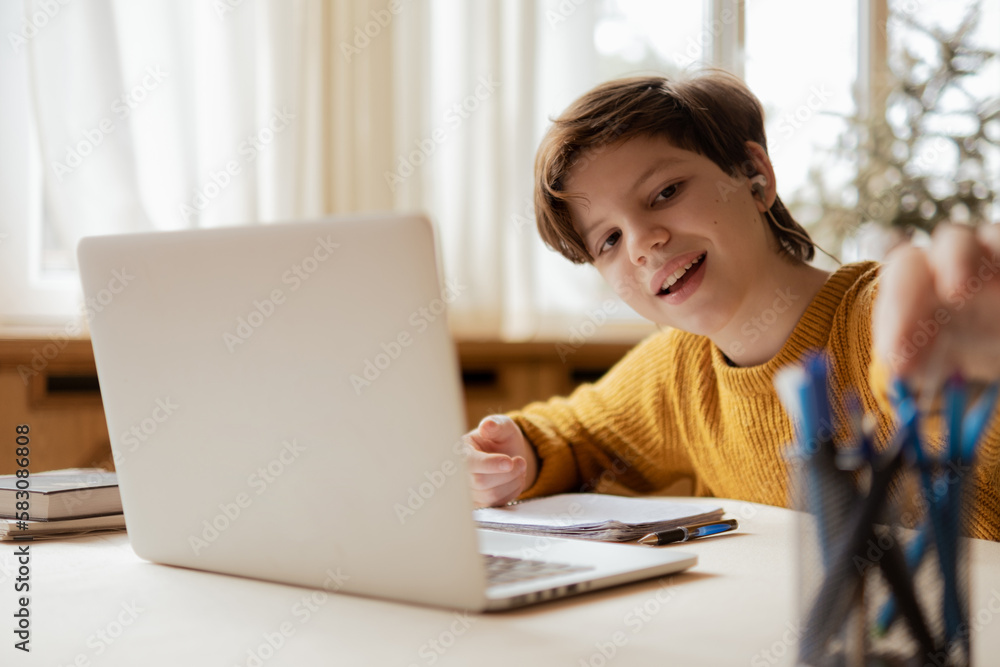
[(881, 582)]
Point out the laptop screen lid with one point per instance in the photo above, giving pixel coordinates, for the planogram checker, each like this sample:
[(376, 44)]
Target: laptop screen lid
[(270, 393)]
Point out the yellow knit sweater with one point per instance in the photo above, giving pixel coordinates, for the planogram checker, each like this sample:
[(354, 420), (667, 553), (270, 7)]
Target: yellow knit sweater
[(674, 409)]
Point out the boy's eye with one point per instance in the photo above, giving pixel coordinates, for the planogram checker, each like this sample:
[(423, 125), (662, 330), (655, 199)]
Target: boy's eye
[(667, 192), (609, 242)]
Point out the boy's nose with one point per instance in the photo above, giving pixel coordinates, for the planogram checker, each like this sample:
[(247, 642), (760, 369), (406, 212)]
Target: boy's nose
[(644, 241)]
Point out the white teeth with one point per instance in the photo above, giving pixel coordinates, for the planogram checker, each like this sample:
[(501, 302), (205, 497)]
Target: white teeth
[(676, 275)]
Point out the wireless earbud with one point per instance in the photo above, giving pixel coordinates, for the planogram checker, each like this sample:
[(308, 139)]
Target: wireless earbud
[(757, 185)]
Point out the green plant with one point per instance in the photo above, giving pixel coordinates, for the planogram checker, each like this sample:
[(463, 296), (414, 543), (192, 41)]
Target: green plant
[(925, 159)]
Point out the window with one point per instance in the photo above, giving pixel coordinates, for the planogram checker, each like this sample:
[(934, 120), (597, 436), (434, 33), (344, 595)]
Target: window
[(387, 105)]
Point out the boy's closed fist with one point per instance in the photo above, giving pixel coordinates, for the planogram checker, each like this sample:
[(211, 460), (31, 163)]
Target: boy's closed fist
[(501, 462)]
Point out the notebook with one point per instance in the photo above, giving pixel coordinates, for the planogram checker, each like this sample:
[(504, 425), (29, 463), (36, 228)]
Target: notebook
[(300, 402), (596, 516), (61, 494)]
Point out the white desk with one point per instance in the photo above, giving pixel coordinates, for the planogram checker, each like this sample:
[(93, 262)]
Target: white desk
[(736, 607)]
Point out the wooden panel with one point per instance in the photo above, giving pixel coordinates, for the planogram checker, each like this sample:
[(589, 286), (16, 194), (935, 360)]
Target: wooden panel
[(526, 372), (51, 385)]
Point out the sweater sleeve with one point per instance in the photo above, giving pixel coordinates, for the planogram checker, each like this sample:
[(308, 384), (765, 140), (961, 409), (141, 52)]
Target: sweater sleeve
[(609, 432)]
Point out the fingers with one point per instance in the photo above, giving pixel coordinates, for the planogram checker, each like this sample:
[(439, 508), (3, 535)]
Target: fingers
[(496, 478), (977, 304), (953, 258), (498, 432), (487, 481), (486, 463), (989, 236), (499, 495), (938, 309), (905, 286), (498, 474)]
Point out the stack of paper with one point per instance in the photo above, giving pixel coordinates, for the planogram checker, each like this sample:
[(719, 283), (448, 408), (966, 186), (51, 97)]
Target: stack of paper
[(596, 516), (12, 530)]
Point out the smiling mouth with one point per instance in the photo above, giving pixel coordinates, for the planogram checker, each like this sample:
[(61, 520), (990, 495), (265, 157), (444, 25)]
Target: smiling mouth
[(677, 279)]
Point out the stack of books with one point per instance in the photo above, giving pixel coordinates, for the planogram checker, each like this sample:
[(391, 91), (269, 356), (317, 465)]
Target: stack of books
[(60, 503)]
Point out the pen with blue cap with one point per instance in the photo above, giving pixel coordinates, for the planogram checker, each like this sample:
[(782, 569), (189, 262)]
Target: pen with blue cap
[(685, 533)]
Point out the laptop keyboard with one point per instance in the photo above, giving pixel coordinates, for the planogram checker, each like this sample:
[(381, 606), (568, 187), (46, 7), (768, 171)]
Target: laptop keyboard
[(507, 570)]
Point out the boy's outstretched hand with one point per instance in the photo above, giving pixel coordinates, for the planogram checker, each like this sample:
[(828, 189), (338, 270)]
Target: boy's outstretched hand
[(501, 462), (938, 308)]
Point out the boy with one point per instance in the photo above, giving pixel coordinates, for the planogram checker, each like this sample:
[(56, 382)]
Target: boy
[(667, 189)]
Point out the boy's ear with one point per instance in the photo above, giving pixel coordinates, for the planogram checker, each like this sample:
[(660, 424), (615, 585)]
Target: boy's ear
[(762, 166)]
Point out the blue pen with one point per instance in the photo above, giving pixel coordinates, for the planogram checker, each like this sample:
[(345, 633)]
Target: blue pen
[(685, 533), (964, 437), (954, 399), (830, 498), (855, 457), (944, 510), (951, 506), (944, 543), (976, 420)]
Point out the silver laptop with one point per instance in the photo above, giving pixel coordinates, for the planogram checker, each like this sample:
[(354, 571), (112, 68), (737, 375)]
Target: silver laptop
[(284, 403)]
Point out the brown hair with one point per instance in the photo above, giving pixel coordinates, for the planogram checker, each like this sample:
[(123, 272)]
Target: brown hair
[(713, 114)]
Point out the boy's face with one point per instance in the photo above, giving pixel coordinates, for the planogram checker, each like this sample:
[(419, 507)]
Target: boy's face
[(656, 216)]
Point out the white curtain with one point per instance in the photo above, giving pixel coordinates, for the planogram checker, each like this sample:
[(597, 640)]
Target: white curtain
[(494, 73), (170, 114), (178, 114), (130, 115)]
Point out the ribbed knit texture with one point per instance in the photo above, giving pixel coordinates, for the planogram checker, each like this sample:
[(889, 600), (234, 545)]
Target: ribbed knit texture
[(673, 408)]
